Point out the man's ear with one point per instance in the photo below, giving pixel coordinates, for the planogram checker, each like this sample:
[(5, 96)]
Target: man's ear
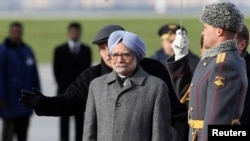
[(220, 31), (241, 45)]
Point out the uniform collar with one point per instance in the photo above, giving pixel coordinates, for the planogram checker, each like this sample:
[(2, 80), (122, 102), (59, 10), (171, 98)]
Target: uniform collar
[(229, 45)]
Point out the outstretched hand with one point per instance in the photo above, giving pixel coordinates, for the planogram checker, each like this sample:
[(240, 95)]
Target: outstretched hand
[(180, 44), (31, 99)]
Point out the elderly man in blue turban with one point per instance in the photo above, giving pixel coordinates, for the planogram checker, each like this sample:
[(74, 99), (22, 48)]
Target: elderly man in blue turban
[(127, 104)]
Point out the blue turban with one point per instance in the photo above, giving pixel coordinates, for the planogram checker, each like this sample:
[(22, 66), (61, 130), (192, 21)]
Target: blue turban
[(130, 40)]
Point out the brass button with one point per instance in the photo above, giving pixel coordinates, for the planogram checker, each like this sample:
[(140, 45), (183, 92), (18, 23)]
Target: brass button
[(191, 85), (191, 109), (205, 63)]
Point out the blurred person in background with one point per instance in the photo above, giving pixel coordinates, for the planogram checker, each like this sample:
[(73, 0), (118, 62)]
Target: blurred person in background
[(70, 59), (74, 99), (242, 40), (167, 33), (18, 70)]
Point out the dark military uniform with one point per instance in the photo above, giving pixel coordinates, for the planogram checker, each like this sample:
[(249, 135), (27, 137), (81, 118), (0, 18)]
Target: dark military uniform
[(161, 56), (216, 91)]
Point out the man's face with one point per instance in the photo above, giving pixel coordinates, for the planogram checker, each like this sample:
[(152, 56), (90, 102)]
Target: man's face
[(74, 33), (104, 52), (167, 44), (123, 61), (16, 33), (209, 36)]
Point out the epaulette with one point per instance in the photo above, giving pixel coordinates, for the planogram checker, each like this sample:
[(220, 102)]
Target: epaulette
[(221, 57)]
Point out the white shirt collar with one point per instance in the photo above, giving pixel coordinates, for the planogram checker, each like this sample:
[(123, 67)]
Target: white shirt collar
[(71, 44)]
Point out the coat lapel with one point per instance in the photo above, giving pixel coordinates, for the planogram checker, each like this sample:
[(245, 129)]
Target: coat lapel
[(137, 79)]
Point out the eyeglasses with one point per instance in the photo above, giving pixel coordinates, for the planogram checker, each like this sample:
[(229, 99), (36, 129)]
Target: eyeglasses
[(115, 56), (102, 49)]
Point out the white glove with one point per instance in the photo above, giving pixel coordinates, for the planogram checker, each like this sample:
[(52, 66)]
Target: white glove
[(180, 44)]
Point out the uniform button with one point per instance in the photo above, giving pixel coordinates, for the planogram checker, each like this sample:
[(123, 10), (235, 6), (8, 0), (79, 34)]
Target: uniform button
[(191, 109), (118, 104), (205, 63), (191, 84)]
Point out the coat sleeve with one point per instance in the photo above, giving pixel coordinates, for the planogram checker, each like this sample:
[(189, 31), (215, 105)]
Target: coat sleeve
[(180, 74), (90, 120), (225, 95), (71, 102), (56, 65), (3, 62), (161, 116)]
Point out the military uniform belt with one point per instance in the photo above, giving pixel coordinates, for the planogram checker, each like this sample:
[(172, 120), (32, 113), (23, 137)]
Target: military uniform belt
[(198, 124)]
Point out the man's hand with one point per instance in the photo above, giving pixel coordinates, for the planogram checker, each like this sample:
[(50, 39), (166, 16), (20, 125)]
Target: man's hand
[(180, 44), (31, 99)]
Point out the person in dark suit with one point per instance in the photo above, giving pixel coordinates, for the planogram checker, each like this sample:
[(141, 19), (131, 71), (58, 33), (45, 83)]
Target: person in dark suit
[(70, 59), (74, 99), (242, 40)]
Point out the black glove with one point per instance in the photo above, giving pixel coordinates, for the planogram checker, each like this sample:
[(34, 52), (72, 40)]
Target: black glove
[(31, 99)]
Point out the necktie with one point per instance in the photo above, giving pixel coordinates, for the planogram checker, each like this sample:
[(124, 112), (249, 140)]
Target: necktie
[(74, 50)]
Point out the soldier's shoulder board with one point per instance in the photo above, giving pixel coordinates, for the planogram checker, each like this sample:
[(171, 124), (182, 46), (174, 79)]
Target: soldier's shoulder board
[(221, 57)]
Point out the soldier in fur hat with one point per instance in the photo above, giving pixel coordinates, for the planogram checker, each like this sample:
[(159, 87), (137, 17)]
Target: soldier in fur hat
[(208, 92)]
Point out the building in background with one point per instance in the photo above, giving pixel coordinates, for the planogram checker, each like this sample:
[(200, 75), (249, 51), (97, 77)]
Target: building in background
[(112, 6)]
